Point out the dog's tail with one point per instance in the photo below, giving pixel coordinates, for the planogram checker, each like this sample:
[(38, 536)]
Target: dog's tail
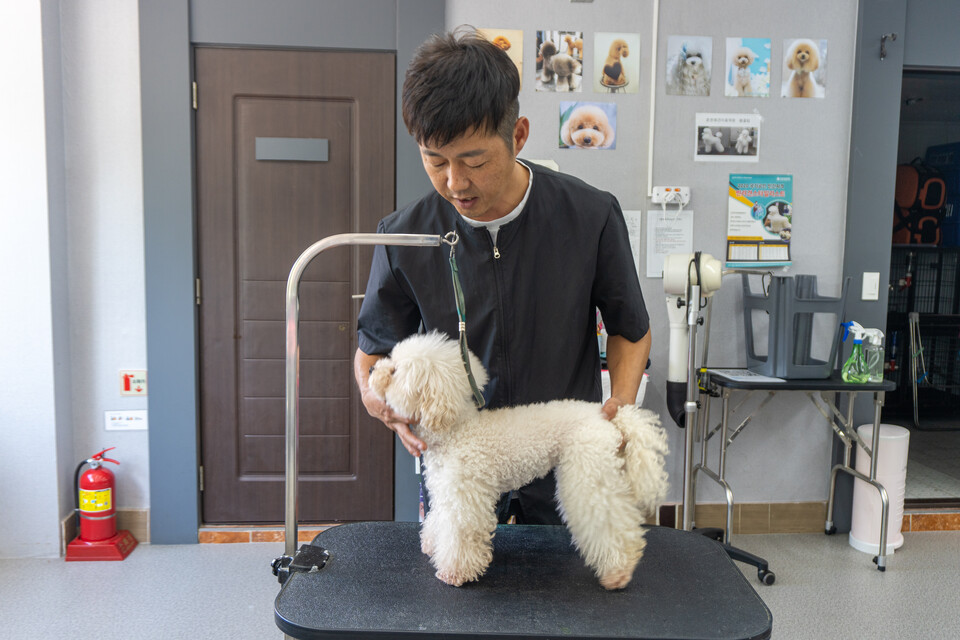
[(644, 452)]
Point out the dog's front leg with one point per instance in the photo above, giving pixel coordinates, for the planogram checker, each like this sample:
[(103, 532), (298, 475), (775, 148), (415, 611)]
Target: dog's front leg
[(459, 539)]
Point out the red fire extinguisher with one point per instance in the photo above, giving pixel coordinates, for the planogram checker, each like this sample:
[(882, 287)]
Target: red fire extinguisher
[(97, 515)]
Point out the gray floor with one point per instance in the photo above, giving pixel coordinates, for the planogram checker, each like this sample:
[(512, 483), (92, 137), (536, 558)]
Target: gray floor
[(824, 589)]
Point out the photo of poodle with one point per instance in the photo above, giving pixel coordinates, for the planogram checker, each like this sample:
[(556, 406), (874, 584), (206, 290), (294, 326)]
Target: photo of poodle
[(574, 46), (744, 138), (748, 68), (710, 141), (727, 137), (689, 62), (558, 70), (804, 69), (511, 41), (610, 474), (777, 221), (588, 125), (616, 62)]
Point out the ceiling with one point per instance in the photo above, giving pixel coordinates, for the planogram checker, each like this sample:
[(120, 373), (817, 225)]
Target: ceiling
[(939, 93)]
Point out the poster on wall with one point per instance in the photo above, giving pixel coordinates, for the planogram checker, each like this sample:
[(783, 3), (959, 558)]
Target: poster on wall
[(748, 68), (804, 69), (511, 41), (588, 125), (689, 61), (727, 137), (759, 220), (559, 61), (667, 232), (616, 59)]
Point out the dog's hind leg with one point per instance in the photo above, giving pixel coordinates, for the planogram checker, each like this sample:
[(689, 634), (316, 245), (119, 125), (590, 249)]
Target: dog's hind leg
[(597, 504)]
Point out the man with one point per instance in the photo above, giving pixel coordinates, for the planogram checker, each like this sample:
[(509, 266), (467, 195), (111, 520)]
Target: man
[(539, 252)]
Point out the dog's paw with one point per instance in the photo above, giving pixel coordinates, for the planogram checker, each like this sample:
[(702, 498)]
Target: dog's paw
[(616, 579), (426, 545), (454, 578)]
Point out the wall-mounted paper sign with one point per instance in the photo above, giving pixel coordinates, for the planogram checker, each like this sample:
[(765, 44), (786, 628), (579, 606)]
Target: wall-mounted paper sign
[(669, 231), (727, 137)]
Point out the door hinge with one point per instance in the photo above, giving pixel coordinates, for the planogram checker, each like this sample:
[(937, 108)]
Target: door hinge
[(201, 478), (197, 290), (194, 87)]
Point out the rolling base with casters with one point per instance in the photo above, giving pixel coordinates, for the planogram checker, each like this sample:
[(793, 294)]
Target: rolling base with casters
[(764, 574)]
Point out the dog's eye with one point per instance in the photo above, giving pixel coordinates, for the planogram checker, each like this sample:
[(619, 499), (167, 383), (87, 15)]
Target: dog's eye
[(596, 128), (579, 126)]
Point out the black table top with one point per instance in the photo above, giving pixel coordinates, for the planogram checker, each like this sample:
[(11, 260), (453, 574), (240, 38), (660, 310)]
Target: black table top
[(833, 383), (379, 585)]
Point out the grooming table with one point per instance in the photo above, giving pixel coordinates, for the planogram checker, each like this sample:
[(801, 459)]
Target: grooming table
[(819, 392), (377, 584)]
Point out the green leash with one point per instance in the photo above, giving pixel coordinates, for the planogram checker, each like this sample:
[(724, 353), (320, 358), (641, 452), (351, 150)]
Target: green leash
[(452, 239)]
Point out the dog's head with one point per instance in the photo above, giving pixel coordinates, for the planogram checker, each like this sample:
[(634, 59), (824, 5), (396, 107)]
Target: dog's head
[(587, 128), (743, 57), (619, 48), (502, 42), (548, 49), (424, 379), (804, 55), (709, 135), (691, 57)]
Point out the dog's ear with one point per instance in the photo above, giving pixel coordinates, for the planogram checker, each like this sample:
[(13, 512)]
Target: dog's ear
[(792, 58), (565, 132), (607, 130)]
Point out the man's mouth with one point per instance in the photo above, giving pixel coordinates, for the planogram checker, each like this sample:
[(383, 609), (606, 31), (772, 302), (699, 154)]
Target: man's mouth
[(465, 203)]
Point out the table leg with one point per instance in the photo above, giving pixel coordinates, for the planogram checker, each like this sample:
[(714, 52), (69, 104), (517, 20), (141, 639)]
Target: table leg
[(881, 558)]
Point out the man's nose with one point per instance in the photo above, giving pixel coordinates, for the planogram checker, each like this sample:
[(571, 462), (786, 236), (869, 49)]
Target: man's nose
[(456, 178)]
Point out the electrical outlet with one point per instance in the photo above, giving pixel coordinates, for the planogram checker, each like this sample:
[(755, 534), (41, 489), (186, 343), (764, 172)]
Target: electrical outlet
[(671, 195)]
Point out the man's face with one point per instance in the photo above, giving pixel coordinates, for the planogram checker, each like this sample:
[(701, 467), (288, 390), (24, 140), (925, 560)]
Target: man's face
[(477, 173)]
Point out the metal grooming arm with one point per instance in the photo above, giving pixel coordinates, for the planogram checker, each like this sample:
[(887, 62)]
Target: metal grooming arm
[(281, 566)]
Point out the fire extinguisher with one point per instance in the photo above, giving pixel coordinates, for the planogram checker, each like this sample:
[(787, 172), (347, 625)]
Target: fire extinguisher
[(97, 517)]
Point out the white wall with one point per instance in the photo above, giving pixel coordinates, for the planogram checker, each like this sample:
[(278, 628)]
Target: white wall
[(785, 453), (29, 501), (104, 186)]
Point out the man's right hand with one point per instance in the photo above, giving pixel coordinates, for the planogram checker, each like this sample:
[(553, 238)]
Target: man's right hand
[(380, 410)]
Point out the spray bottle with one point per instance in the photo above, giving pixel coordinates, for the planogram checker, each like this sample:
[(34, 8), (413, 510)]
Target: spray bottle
[(853, 369), (873, 354)]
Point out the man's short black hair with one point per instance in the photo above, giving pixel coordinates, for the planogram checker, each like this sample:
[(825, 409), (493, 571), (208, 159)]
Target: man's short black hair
[(458, 83)]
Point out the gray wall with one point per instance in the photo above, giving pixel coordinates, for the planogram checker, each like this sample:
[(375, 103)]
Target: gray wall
[(785, 455)]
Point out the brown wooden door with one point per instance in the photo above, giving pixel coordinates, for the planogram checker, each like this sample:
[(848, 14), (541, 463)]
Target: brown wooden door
[(264, 195)]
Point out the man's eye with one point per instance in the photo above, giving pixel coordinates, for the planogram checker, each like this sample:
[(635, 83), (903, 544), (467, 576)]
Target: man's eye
[(476, 166)]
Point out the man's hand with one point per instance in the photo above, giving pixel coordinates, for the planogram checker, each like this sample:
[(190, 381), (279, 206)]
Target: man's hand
[(610, 407), (379, 409)]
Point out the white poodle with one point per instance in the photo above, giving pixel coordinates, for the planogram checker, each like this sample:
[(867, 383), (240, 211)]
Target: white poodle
[(711, 141), (610, 474), (776, 222), (743, 141)]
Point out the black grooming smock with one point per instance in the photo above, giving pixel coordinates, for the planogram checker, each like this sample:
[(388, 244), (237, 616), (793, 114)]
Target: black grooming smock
[(531, 312)]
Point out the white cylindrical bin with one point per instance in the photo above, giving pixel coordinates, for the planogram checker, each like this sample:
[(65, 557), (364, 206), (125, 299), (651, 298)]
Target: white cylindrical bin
[(892, 474)]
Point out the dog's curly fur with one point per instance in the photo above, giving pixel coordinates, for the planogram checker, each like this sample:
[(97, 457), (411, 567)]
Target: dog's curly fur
[(711, 141), (743, 141), (688, 74), (566, 68), (802, 59), (588, 128), (743, 57), (605, 493), (612, 74)]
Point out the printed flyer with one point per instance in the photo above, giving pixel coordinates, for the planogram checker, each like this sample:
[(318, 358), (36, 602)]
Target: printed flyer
[(759, 220)]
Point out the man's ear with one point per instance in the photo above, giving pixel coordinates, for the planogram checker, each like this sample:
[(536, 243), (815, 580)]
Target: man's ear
[(521, 132)]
